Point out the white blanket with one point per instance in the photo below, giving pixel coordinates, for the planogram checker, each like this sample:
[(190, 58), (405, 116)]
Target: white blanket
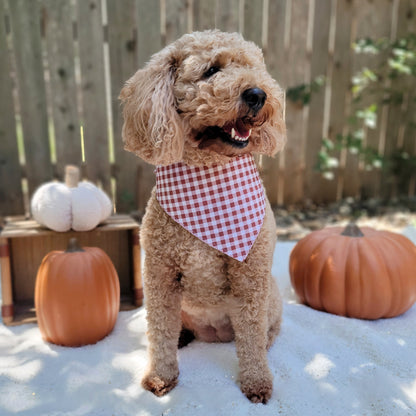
[(322, 365)]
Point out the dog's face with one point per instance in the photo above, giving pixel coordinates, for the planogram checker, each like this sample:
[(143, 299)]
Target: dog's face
[(203, 99)]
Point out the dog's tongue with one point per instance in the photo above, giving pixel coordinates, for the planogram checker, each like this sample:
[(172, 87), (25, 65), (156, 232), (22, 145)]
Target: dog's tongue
[(240, 129)]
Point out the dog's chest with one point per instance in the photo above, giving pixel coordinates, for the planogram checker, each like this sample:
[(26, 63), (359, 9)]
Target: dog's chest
[(223, 206), (204, 278)]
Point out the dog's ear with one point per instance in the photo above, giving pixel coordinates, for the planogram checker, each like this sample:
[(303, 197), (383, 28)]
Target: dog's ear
[(152, 127)]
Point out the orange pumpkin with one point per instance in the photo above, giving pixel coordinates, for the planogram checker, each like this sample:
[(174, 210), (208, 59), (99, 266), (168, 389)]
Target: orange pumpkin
[(361, 273), (77, 296)]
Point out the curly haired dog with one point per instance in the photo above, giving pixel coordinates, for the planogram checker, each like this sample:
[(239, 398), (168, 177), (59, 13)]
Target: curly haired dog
[(204, 102)]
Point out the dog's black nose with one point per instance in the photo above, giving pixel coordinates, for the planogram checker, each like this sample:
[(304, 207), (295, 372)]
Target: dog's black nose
[(254, 98)]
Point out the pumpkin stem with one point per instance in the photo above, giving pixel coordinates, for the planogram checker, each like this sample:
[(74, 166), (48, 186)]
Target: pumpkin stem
[(73, 246), (352, 230), (71, 176)]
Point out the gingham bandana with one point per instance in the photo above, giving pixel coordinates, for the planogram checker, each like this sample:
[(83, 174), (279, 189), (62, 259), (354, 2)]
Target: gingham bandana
[(223, 206)]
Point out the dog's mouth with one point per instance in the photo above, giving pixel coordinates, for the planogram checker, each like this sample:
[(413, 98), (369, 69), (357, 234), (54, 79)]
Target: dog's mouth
[(235, 134)]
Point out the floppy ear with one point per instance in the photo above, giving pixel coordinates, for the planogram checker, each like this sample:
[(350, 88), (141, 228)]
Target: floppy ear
[(152, 127)]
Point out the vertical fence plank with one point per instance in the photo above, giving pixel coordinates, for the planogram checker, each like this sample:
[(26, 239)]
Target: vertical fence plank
[(253, 21), (319, 65), (177, 19), (204, 14), (122, 41), (274, 54), (340, 95), (149, 36), (373, 21), (350, 174), (25, 22), (94, 110), (296, 68), (407, 133), (150, 40), (226, 16), (11, 196), (61, 63)]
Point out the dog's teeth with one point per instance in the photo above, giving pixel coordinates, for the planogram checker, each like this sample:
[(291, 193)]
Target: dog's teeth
[(249, 133), (233, 133)]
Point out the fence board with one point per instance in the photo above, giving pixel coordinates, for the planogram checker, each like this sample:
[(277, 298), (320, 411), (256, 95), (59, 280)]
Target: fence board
[(296, 67), (349, 178), (319, 65), (340, 95), (226, 18), (151, 38), (122, 39), (374, 20), (61, 62), (274, 53), (11, 196), (253, 21), (204, 14), (94, 114), (25, 23), (177, 19), (407, 25)]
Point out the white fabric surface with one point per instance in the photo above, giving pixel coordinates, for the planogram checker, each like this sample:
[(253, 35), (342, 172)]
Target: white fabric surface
[(322, 365)]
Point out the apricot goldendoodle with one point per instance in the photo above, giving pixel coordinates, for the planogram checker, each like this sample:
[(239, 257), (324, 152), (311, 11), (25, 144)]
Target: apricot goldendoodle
[(198, 110)]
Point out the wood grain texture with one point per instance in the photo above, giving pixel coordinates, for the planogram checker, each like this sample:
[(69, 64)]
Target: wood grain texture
[(11, 195), (58, 26), (26, 35), (93, 88)]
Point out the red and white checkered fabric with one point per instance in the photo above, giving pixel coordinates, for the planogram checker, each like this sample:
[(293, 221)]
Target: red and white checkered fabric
[(223, 206)]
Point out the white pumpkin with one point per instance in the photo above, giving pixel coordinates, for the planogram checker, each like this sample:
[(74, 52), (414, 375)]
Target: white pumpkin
[(73, 204)]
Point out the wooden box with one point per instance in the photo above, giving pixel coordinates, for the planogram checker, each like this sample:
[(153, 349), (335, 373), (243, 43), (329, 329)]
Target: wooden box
[(24, 243)]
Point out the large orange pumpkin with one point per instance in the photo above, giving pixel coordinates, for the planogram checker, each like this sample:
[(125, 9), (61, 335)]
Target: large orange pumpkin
[(77, 296), (360, 273)]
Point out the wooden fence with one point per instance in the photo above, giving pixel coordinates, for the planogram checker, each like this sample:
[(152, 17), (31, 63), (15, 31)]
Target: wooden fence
[(63, 63)]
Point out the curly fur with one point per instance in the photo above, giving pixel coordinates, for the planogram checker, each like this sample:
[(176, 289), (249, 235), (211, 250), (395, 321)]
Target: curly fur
[(173, 111)]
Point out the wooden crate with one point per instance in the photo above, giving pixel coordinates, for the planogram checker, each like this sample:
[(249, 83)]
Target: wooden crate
[(24, 243)]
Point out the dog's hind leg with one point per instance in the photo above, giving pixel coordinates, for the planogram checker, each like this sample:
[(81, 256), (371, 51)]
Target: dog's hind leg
[(163, 304)]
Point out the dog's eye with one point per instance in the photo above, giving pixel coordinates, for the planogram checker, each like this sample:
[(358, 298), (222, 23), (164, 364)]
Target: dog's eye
[(213, 70)]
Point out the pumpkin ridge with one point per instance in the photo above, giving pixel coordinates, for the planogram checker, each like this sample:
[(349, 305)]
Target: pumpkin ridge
[(362, 282), (318, 272), (331, 274), (387, 298), (90, 286), (54, 273), (352, 271), (109, 271), (68, 272), (349, 243), (409, 292), (298, 262)]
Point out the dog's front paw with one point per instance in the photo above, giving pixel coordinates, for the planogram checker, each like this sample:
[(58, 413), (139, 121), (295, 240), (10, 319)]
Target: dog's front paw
[(157, 385), (258, 391)]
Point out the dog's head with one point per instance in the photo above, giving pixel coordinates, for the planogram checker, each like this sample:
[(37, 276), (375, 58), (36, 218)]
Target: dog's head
[(203, 99)]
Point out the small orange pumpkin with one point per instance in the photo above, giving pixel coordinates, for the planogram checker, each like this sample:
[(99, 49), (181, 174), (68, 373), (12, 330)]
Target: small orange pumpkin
[(361, 273), (77, 295)]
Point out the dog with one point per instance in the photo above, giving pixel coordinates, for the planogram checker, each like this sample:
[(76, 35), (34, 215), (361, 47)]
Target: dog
[(198, 111)]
